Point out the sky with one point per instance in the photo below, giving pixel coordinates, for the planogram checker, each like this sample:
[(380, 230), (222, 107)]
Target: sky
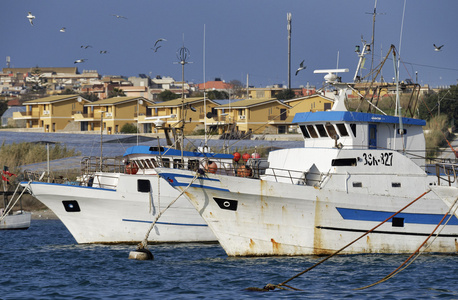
[(230, 39)]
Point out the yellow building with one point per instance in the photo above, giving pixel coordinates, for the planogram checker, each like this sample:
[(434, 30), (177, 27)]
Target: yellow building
[(52, 113), (265, 116), (264, 93), (170, 113), (252, 115), (113, 113), (311, 103)]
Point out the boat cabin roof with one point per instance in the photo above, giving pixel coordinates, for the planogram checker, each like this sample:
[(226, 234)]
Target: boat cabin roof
[(349, 116)]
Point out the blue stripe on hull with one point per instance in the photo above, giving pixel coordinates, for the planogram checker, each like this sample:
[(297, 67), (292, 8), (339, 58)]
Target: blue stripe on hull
[(165, 223), (380, 216), (67, 185), (172, 180)]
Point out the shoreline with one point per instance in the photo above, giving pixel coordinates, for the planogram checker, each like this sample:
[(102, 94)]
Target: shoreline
[(43, 214)]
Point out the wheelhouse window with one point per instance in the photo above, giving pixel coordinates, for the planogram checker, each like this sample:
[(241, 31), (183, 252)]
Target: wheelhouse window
[(312, 131), (353, 129), (321, 130), (342, 129), (166, 162), (331, 130), (304, 131), (193, 164), (177, 163)]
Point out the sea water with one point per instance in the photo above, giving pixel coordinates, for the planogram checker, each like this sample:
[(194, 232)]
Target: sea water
[(45, 262)]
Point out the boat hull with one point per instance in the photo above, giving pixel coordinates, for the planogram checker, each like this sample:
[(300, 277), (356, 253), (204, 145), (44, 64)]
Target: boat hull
[(123, 215), (258, 217)]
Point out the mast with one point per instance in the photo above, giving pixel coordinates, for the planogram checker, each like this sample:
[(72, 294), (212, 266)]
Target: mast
[(205, 99), (288, 17)]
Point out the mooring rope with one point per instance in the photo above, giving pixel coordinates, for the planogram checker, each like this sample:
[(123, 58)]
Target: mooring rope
[(144, 243), (270, 287), (417, 252)]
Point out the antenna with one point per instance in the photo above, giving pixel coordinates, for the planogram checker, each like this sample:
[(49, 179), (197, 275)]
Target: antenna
[(373, 31), (331, 76)]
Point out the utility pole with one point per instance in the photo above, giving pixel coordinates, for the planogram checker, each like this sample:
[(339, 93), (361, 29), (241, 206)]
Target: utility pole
[(288, 17)]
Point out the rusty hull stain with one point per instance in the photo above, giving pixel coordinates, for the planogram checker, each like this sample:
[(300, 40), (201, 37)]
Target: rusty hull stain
[(276, 247), (317, 238), (252, 244)]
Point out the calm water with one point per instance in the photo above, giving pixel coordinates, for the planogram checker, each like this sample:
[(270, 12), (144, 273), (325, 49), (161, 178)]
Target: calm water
[(44, 262)]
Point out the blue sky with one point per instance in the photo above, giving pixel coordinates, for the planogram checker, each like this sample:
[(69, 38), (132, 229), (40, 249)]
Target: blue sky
[(242, 37)]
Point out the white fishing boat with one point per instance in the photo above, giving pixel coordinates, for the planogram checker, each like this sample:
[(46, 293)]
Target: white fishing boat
[(355, 170), (119, 203)]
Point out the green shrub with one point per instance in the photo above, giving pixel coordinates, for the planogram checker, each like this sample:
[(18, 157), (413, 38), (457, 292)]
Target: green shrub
[(129, 128)]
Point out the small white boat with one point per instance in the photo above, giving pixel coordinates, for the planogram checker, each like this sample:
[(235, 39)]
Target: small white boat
[(119, 203), (9, 218), (16, 220)]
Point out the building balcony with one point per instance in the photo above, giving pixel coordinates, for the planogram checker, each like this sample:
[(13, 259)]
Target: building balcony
[(26, 115)]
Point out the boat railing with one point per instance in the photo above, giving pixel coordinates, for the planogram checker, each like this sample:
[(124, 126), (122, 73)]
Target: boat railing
[(446, 172), (253, 168)]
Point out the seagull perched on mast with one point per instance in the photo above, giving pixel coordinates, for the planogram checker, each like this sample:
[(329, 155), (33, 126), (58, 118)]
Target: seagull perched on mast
[(436, 48), (30, 17), (301, 67)]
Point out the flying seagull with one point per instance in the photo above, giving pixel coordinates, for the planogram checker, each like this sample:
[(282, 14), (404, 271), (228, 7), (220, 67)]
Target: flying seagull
[(156, 48), (30, 17), (301, 67), (103, 51), (437, 48), (118, 17), (62, 29), (159, 40), (79, 60), (87, 46)]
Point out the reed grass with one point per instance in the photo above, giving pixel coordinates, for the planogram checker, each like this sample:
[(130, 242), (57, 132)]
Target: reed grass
[(436, 133), (16, 155)]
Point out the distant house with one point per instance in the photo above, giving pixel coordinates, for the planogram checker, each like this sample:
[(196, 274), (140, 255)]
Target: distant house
[(264, 93), (7, 117), (216, 84), (51, 114), (113, 113), (311, 103), (251, 116), (169, 114)]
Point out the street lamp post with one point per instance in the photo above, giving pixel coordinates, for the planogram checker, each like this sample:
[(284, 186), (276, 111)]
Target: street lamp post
[(439, 103), (101, 138), (139, 102), (182, 55)]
